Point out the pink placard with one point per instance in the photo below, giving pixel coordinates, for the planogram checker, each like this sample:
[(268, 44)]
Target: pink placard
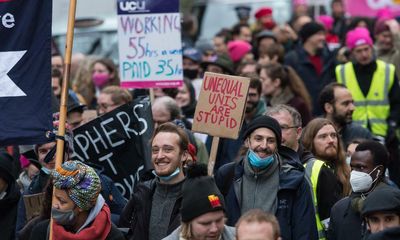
[(152, 84), (370, 8)]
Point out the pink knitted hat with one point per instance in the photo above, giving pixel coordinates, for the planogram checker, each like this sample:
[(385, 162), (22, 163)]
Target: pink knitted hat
[(237, 49), (327, 21), (357, 37)]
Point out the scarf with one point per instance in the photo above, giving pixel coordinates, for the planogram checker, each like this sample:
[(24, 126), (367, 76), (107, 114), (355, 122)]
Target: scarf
[(99, 229), (283, 98)]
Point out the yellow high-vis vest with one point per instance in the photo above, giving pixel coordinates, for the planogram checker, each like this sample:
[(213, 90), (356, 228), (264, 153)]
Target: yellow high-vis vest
[(312, 169), (375, 107)]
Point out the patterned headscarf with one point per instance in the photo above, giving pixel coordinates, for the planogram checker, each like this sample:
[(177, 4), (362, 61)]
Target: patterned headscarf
[(80, 181)]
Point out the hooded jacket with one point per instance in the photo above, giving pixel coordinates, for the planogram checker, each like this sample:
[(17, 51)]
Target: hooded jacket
[(8, 209), (295, 211)]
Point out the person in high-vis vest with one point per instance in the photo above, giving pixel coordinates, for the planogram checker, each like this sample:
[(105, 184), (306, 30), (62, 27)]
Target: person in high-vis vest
[(328, 172), (373, 85)]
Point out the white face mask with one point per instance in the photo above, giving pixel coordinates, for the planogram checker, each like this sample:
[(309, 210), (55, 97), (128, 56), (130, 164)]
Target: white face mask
[(348, 159), (361, 181)]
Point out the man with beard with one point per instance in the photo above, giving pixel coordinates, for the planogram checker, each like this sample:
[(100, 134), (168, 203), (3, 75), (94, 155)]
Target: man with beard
[(153, 212), (312, 60), (328, 172), (368, 164), (268, 167), (373, 85), (229, 148), (338, 105)]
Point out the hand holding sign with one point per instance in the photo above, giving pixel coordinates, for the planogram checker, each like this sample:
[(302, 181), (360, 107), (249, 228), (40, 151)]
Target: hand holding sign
[(220, 108)]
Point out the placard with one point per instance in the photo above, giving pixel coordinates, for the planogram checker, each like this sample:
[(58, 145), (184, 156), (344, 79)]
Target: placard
[(150, 48), (33, 204), (221, 105), (118, 141)]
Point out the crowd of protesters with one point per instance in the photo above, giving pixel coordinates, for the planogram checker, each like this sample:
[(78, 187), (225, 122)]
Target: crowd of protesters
[(317, 155)]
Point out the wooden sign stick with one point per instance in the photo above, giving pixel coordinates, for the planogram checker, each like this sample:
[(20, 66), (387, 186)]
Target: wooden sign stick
[(213, 155)]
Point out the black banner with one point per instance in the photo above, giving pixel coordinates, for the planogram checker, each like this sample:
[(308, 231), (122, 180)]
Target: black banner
[(119, 142)]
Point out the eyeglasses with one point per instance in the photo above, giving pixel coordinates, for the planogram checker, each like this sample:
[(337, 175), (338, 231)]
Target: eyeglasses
[(286, 127)]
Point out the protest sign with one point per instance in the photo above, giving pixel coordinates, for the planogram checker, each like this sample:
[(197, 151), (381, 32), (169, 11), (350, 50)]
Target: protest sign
[(25, 88), (33, 204), (150, 49), (221, 105), (370, 8), (118, 141)]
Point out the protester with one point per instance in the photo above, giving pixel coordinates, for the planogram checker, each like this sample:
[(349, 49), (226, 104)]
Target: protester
[(368, 164), (257, 224), (112, 97), (281, 85), (191, 68), (360, 75), (218, 64), (264, 19), (328, 171), (153, 212), (228, 149), (312, 61), (387, 42), (74, 113), (381, 212), (266, 166), (9, 197), (338, 105), (104, 73), (243, 13), (321, 138), (242, 32), (186, 99), (202, 209), (78, 209), (289, 120)]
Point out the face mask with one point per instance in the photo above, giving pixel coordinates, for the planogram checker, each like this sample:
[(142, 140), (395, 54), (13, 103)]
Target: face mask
[(348, 159), (190, 73), (270, 24), (46, 170), (361, 182), (258, 162), (100, 79), (63, 218), (169, 177)]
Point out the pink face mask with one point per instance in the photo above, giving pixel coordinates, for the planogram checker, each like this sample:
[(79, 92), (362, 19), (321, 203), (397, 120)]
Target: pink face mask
[(100, 79)]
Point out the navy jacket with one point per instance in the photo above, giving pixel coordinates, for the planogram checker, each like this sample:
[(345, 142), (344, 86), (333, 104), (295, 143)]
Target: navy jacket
[(299, 60), (295, 210)]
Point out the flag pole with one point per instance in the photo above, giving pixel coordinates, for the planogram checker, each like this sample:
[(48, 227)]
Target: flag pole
[(64, 91)]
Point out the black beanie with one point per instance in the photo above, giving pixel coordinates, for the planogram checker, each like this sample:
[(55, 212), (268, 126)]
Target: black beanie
[(310, 29), (383, 199), (200, 194), (6, 167), (264, 122)]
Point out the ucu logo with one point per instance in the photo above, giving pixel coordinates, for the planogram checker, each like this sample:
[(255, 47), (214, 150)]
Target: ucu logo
[(132, 6)]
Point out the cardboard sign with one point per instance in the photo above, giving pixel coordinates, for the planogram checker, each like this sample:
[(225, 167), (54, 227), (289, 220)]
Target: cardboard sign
[(221, 105), (118, 141), (33, 205), (150, 48)]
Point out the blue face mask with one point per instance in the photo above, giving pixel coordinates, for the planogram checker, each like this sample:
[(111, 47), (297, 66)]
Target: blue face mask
[(258, 162), (46, 170), (169, 177)]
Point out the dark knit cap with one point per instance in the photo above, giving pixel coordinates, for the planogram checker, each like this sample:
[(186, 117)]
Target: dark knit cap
[(6, 167), (200, 194), (264, 122), (382, 200), (310, 29)]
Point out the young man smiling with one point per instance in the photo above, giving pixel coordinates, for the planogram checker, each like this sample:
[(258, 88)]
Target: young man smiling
[(153, 211)]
